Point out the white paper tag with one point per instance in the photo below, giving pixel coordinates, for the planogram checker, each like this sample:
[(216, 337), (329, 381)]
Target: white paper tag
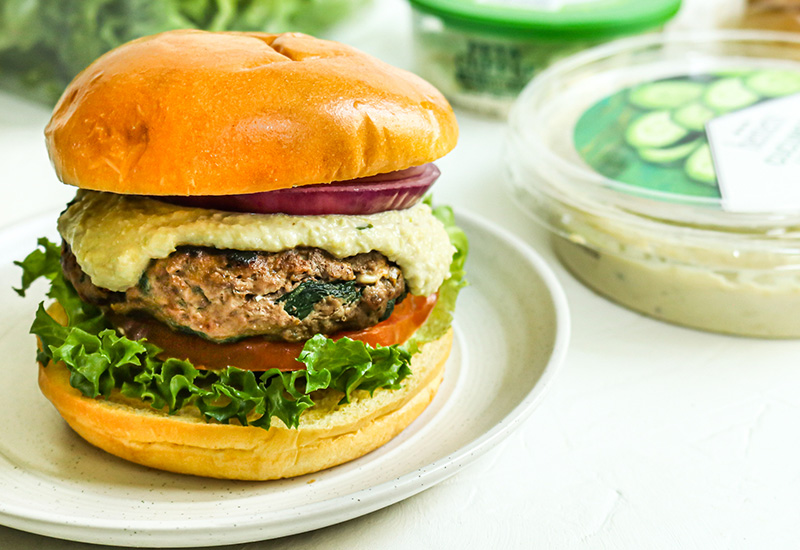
[(756, 153)]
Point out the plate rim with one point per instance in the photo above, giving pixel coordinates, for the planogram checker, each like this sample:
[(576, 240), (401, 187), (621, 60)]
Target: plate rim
[(343, 507)]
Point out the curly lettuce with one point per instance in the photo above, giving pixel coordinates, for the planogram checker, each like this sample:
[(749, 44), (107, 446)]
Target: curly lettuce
[(101, 361)]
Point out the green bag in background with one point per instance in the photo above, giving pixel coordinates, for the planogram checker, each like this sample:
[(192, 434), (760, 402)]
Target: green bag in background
[(45, 43)]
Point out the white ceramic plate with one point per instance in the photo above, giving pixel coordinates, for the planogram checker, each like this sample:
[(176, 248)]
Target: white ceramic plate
[(511, 333)]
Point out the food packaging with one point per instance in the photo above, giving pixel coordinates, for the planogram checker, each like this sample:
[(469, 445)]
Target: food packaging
[(666, 170), (481, 53)]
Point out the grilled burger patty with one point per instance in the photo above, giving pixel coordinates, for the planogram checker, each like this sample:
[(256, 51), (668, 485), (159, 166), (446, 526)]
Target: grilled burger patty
[(225, 295)]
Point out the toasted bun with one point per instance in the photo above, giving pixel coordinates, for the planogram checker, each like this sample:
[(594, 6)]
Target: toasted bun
[(199, 113), (329, 434)]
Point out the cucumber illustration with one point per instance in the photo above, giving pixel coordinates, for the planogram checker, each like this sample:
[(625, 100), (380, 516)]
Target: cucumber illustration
[(665, 94), (733, 71), (693, 116), (654, 129), (774, 83), (700, 166), (667, 155), (652, 135), (729, 94)]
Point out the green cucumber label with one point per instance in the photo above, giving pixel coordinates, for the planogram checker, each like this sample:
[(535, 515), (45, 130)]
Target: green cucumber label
[(653, 135)]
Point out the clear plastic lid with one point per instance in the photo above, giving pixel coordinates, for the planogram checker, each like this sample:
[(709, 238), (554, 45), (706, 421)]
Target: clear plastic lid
[(627, 137)]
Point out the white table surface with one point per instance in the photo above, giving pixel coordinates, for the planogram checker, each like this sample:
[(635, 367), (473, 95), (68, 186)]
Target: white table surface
[(651, 436)]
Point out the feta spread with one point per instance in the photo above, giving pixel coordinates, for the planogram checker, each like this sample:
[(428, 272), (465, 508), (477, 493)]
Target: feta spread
[(114, 237)]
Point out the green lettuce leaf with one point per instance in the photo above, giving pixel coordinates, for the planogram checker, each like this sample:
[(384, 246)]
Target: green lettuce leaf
[(101, 361), (347, 365), (45, 262)]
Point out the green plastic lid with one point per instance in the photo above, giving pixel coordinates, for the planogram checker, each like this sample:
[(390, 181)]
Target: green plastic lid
[(566, 19)]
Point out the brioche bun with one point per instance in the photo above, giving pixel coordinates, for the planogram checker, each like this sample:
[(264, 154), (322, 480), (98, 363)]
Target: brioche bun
[(329, 434), (165, 115)]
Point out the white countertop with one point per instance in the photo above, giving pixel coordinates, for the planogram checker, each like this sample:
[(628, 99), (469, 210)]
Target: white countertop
[(651, 436)]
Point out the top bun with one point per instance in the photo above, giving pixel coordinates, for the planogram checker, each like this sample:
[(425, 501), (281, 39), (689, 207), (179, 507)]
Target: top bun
[(200, 113)]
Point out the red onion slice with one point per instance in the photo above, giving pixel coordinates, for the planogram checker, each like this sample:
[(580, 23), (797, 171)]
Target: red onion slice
[(391, 191)]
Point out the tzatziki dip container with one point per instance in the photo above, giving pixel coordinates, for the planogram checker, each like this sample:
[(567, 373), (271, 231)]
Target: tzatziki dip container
[(482, 53), (667, 169)]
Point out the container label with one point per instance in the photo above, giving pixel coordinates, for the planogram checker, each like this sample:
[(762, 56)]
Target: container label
[(494, 67), (756, 153), (653, 136)]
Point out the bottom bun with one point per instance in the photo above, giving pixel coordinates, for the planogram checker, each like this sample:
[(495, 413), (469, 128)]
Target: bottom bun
[(329, 433)]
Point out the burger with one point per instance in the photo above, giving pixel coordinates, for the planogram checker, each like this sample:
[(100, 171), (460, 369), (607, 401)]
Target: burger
[(252, 282)]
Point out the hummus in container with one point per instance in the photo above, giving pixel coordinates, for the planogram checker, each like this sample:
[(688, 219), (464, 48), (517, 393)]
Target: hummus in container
[(611, 150), (482, 53)]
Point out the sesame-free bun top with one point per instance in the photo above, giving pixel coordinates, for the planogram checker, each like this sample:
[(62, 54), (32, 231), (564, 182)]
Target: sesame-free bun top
[(201, 113)]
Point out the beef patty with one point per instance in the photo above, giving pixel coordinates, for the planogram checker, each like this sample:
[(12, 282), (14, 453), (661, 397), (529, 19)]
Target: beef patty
[(225, 295)]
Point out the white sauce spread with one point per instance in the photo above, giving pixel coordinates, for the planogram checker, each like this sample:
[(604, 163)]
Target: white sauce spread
[(114, 237)]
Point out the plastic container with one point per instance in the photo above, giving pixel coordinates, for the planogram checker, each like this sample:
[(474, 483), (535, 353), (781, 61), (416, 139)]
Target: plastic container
[(481, 53), (634, 208)]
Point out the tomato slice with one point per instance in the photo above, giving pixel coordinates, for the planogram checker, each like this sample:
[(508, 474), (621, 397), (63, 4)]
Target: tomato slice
[(259, 354)]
